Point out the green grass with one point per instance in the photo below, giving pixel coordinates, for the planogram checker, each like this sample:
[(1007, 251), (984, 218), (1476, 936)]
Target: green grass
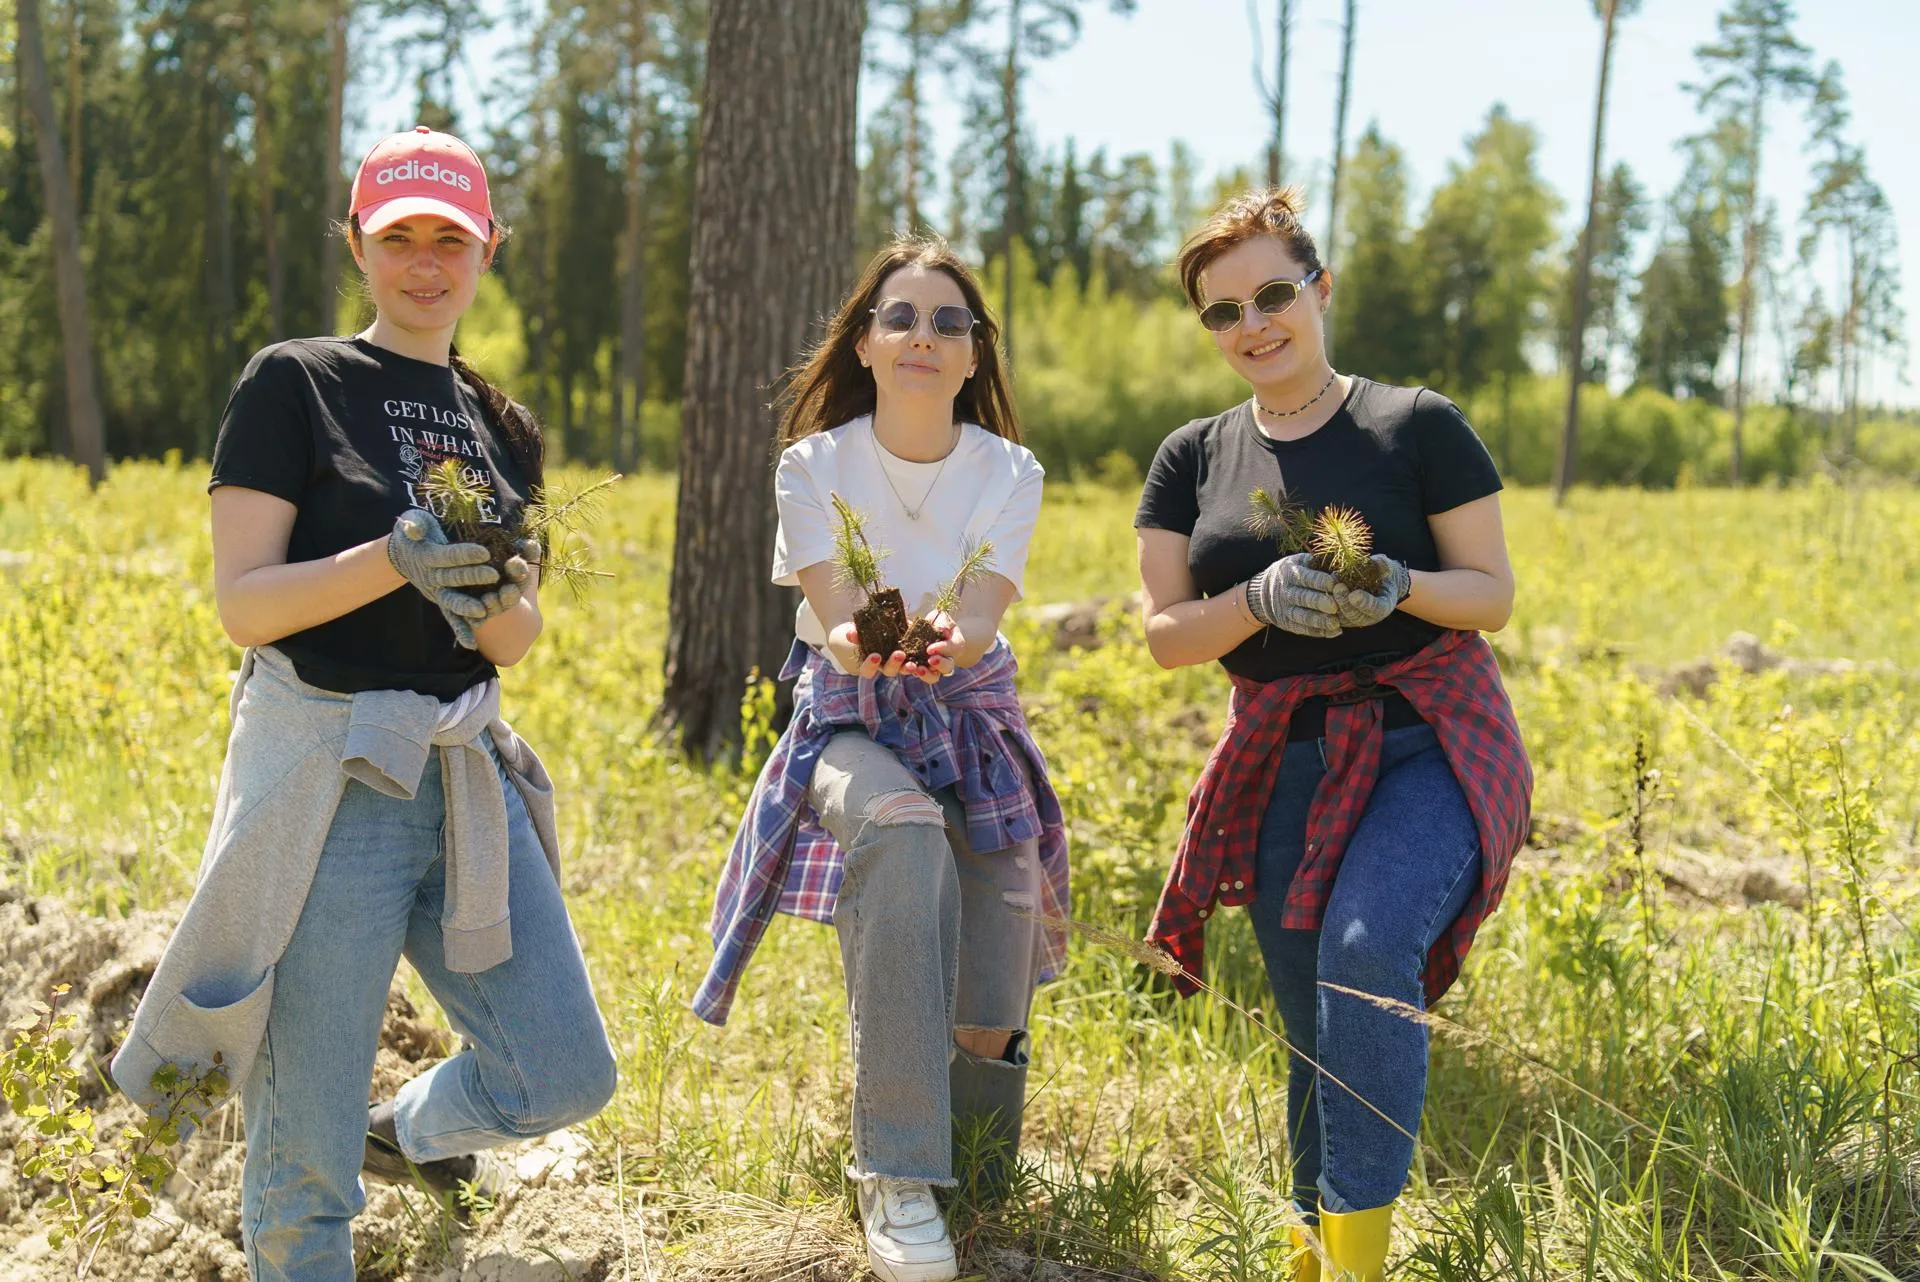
[(1635, 1079)]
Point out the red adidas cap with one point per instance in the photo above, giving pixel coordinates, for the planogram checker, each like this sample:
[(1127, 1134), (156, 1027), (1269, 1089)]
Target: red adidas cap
[(418, 173)]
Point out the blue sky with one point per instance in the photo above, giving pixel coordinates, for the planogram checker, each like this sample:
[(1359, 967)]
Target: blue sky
[(1429, 72)]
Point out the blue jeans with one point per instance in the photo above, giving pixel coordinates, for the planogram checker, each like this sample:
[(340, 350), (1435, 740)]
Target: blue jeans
[(1410, 868), (537, 1057)]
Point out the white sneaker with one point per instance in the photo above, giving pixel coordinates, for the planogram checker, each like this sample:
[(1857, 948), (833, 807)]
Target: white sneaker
[(906, 1238)]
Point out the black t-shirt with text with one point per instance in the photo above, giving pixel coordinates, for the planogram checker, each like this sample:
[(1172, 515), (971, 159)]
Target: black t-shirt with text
[(1396, 454), (345, 431)]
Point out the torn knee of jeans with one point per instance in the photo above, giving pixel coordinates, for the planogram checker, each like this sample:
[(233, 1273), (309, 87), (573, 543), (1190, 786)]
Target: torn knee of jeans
[(1006, 1046), (1019, 900), (896, 809)]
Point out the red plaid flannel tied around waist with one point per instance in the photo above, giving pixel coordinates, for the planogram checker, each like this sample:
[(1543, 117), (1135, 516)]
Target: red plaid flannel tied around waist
[(1454, 684)]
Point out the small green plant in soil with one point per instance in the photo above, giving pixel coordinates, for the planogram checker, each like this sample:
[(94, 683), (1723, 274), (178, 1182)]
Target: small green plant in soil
[(99, 1186), (975, 562), (880, 623), (1342, 545), (460, 496)]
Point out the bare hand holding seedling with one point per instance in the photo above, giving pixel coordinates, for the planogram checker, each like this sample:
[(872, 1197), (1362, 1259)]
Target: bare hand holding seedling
[(953, 650), (844, 644)]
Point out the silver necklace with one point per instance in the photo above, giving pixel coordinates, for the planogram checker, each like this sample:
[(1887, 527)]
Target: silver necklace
[(1331, 375), (913, 513)]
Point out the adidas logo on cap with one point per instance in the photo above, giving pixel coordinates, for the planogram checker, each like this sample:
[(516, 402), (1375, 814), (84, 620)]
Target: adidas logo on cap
[(429, 172)]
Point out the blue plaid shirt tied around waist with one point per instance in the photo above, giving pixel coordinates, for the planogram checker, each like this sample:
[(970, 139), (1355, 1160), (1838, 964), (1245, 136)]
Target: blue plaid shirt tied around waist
[(958, 733)]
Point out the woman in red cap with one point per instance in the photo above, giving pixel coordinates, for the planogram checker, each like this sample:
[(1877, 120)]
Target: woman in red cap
[(373, 803)]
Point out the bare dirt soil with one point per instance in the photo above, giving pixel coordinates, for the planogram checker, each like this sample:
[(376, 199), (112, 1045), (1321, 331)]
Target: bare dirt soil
[(557, 1224)]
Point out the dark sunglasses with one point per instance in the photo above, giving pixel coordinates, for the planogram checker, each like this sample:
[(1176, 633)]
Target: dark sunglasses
[(898, 316), (1271, 298)]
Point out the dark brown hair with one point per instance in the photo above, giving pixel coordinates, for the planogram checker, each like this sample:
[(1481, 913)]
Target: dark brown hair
[(1264, 211), (829, 386), (509, 419)]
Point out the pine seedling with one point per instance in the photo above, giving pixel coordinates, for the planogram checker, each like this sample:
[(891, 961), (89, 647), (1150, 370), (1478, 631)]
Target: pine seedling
[(880, 624), (555, 519), (455, 493), (566, 510), (1342, 545), (975, 562), (462, 495), (856, 562), (1279, 518)]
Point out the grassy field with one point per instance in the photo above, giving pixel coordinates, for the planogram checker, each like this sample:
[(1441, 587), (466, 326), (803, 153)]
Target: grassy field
[(1684, 1048)]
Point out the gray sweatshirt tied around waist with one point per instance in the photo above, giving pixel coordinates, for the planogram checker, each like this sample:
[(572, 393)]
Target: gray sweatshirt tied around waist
[(292, 750)]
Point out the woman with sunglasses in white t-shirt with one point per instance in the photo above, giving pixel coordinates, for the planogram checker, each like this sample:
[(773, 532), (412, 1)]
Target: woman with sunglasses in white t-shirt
[(906, 803)]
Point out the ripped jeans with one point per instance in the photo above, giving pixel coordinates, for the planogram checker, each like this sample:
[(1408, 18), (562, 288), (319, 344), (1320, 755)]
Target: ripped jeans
[(939, 942)]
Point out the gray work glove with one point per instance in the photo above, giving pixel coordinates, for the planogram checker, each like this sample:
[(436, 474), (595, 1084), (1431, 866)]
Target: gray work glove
[(1364, 609), (1293, 596), (516, 572), (419, 550)]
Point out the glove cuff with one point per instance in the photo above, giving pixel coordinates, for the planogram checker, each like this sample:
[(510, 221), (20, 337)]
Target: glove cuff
[(1251, 594)]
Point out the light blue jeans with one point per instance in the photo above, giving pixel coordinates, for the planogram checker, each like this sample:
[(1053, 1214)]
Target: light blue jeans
[(936, 938), (1409, 870), (537, 1057)]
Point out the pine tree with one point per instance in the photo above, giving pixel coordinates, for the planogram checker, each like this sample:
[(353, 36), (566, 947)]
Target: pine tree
[(1378, 326), (1610, 12), (1755, 60)]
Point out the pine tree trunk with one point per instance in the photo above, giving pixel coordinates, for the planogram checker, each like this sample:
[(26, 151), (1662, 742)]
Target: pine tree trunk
[(910, 93), (264, 167), (534, 251), (1332, 246), (630, 380), (1567, 463), (336, 197), (219, 265), (1749, 254), (1277, 152), (85, 429), (773, 229), (1009, 216), (76, 95)]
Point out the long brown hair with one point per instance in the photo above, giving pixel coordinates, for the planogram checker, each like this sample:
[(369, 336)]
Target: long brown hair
[(509, 419), (829, 386)]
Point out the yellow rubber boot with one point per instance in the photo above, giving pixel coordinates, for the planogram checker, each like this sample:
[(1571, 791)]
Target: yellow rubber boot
[(1306, 1257), (1356, 1244)]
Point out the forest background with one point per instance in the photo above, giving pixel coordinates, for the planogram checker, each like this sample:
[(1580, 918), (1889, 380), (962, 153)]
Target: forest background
[(1684, 1047), (209, 143)]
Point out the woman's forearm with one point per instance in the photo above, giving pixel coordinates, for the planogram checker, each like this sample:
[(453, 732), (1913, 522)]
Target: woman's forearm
[(275, 601), (505, 638), (1461, 599), (1200, 631), (979, 631)]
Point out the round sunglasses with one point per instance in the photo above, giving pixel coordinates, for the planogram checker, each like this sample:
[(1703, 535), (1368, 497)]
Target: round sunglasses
[(1271, 298), (898, 316)]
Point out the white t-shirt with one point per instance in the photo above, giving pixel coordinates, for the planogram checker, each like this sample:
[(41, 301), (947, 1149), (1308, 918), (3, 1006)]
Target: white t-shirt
[(990, 489)]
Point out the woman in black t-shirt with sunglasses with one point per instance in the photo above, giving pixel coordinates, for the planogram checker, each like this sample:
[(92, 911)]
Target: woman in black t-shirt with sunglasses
[(1370, 787)]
